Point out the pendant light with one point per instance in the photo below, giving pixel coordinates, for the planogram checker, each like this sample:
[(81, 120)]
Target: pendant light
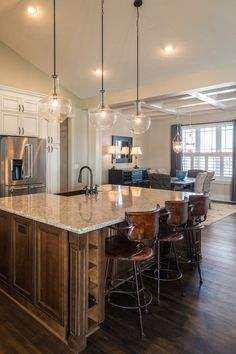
[(190, 144), (177, 142), (54, 107), (102, 117), (138, 123)]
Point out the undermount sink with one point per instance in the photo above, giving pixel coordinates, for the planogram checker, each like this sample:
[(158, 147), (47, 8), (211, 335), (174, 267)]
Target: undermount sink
[(71, 193)]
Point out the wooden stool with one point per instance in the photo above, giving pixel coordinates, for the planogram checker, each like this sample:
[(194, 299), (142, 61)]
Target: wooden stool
[(174, 215), (133, 243), (199, 205)]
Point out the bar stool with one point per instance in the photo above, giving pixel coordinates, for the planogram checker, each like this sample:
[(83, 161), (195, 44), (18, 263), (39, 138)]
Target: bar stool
[(177, 216), (133, 243), (199, 205), (173, 216)]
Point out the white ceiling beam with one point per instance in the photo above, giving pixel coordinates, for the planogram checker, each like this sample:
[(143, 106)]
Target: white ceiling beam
[(159, 108), (208, 100)]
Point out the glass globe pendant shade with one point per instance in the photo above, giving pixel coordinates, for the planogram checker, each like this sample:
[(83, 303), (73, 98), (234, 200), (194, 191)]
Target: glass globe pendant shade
[(138, 123), (103, 117), (177, 144), (55, 108)]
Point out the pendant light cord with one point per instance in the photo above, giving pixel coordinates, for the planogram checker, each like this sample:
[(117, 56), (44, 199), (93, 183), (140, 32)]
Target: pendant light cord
[(137, 25), (102, 50), (54, 47)]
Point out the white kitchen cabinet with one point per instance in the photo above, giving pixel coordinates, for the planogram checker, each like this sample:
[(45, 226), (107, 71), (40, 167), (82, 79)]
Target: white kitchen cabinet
[(50, 131), (53, 168), (19, 116), (10, 123)]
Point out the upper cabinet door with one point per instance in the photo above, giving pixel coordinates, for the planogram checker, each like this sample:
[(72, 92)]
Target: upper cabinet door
[(11, 104), (19, 115), (10, 123), (29, 125), (29, 106), (50, 132), (54, 133)]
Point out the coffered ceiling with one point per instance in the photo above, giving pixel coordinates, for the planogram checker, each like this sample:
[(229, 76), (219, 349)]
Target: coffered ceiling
[(202, 31), (218, 98)]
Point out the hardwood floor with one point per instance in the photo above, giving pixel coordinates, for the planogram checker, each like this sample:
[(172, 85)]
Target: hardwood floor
[(204, 321)]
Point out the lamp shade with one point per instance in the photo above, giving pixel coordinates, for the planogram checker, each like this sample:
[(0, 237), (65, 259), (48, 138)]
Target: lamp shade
[(113, 150), (136, 150), (125, 150)]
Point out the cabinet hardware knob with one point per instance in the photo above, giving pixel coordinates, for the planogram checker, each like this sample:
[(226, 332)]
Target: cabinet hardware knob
[(23, 108), (19, 107), (23, 131), (48, 139), (48, 148), (51, 139), (51, 148), (19, 131)]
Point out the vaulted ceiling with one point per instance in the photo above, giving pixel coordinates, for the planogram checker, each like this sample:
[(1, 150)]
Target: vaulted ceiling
[(203, 32)]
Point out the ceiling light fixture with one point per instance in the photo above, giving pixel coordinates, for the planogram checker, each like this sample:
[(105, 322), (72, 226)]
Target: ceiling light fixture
[(103, 117), (55, 108), (168, 48), (32, 10), (190, 143), (98, 72), (177, 142), (138, 123)]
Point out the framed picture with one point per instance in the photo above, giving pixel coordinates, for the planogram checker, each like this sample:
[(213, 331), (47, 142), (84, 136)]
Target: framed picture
[(124, 145)]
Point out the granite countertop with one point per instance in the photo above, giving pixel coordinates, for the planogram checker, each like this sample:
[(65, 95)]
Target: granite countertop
[(81, 213)]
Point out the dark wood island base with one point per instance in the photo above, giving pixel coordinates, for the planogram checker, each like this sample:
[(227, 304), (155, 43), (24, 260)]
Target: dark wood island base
[(50, 273)]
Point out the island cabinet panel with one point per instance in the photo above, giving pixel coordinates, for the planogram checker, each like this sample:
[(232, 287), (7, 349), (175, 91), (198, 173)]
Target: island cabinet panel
[(5, 247), (51, 271), (23, 256)]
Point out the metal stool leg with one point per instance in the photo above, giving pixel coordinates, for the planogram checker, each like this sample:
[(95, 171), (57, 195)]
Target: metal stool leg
[(158, 271), (178, 268), (142, 287), (138, 298), (197, 255)]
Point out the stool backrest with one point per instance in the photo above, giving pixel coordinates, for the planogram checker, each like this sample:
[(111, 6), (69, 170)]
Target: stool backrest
[(146, 224), (200, 206), (178, 212)]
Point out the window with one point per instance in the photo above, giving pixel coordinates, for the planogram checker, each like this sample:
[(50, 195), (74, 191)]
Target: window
[(209, 147)]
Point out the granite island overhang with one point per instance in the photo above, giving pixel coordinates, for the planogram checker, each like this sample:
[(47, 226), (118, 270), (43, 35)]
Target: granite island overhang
[(52, 253)]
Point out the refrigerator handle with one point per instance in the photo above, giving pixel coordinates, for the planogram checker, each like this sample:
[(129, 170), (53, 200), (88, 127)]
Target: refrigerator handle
[(31, 160), (27, 161)]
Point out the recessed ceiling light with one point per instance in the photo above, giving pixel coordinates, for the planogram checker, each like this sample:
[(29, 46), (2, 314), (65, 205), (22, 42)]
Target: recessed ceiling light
[(98, 72), (169, 48), (32, 10)]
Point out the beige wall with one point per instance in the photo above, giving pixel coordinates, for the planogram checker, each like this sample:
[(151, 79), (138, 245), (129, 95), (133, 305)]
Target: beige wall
[(16, 72)]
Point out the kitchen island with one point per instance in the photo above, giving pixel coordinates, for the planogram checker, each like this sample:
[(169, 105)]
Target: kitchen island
[(52, 254)]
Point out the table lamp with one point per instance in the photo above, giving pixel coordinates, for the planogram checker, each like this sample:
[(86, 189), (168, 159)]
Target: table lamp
[(125, 150), (136, 151), (113, 150)]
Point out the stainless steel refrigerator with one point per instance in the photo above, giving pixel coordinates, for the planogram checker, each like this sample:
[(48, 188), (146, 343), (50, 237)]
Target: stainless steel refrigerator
[(22, 165)]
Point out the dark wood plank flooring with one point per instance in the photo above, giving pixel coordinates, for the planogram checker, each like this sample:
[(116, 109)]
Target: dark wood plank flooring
[(203, 322)]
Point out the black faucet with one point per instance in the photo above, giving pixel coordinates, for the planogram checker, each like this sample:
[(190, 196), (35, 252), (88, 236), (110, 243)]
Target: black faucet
[(90, 190)]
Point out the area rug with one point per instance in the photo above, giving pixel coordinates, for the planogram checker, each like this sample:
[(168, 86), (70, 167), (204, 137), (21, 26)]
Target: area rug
[(219, 211)]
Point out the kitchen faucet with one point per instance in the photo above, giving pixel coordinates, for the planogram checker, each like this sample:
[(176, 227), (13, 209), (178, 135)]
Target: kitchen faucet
[(90, 190)]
